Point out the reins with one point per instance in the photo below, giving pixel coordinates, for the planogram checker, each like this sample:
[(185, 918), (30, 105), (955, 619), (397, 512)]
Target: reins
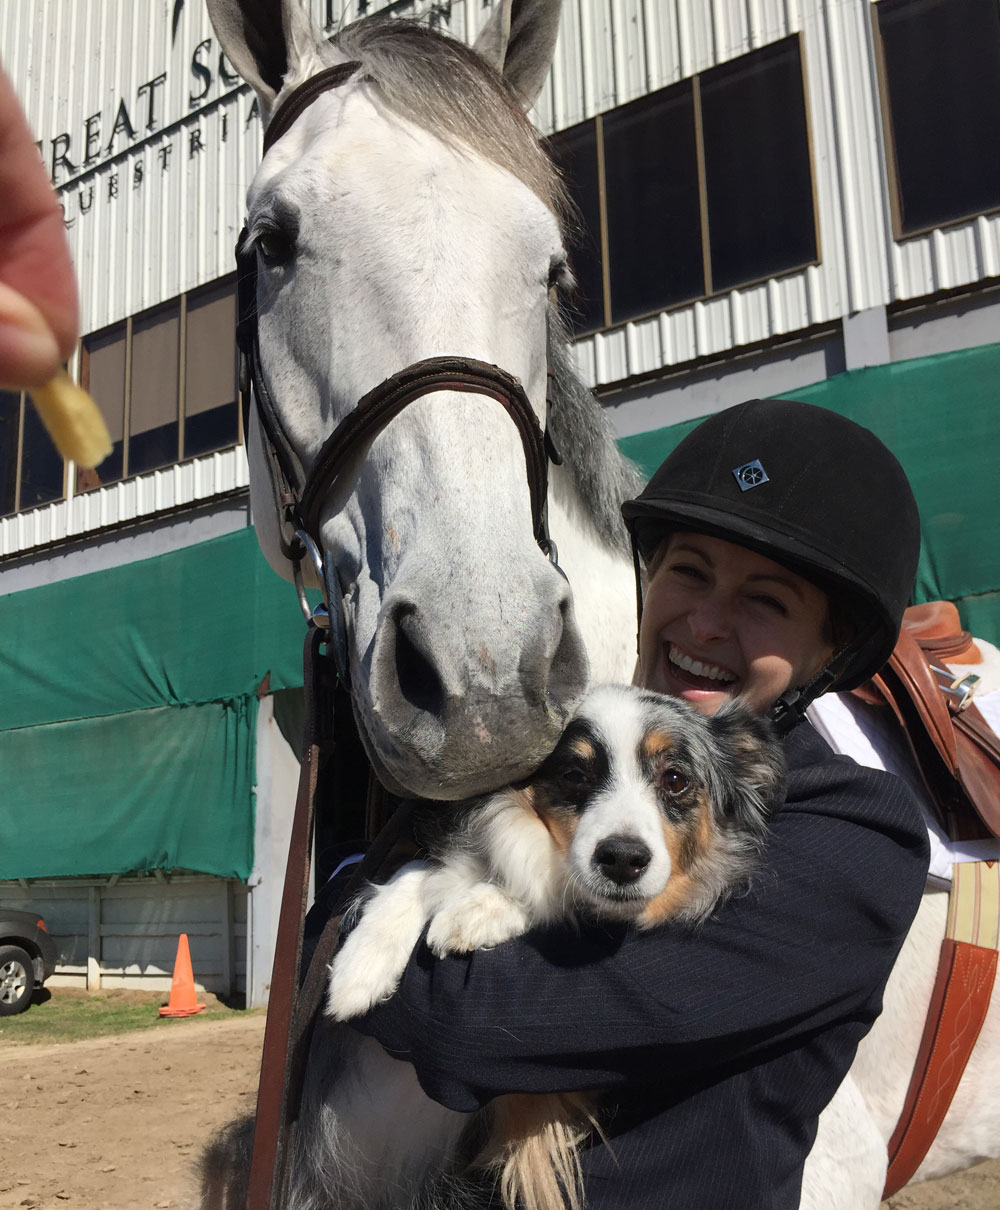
[(300, 498)]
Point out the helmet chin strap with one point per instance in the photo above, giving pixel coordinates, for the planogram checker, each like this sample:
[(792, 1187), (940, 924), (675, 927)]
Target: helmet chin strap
[(790, 709)]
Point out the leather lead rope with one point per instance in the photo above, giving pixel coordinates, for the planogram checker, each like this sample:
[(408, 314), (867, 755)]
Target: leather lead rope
[(269, 1162), (295, 1001)]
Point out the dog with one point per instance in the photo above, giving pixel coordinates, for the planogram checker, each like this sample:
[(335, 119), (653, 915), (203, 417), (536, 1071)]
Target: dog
[(645, 811)]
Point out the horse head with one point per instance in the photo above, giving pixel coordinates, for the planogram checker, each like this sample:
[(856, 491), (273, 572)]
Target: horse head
[(407, 213)]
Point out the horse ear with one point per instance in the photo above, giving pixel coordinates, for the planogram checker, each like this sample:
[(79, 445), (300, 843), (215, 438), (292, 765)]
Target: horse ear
[(267, 41), (519, 41)]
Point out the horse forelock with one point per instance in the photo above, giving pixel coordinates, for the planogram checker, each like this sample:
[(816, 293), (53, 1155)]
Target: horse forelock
[(448, 89)]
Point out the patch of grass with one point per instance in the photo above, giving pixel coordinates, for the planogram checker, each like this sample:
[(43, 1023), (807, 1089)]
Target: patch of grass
[(72, 1015)]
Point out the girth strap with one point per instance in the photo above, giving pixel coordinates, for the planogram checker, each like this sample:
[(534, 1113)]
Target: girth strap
[(959, 1003)]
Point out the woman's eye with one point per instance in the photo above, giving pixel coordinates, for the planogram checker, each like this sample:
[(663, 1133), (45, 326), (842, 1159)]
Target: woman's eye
[(772, 603), (674, 781), (688, 571)]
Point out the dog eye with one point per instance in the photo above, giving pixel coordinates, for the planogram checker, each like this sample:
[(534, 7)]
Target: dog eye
[(673, 781), (573, 775)]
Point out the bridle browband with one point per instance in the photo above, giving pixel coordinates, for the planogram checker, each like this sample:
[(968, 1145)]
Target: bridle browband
[(299, 497)]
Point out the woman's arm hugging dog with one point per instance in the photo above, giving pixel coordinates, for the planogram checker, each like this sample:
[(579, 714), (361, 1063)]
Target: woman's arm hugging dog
[(645, 811)]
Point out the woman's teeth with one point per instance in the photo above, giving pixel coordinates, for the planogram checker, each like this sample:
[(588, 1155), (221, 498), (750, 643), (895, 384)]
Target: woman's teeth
[(711, 672)]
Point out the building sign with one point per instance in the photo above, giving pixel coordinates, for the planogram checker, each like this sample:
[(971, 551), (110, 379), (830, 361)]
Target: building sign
[(127, 145)]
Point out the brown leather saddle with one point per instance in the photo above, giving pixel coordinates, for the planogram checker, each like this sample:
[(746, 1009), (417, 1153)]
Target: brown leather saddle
[(958, 756)]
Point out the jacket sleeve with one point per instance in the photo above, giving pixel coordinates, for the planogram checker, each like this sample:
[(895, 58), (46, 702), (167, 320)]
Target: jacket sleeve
[(811, 943)]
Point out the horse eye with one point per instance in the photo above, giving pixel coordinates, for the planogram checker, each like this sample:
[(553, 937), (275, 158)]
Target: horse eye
[(559, 274), (674, 782), (275, 247)]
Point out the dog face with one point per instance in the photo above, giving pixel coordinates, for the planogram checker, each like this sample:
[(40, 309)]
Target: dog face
[(659, 810)]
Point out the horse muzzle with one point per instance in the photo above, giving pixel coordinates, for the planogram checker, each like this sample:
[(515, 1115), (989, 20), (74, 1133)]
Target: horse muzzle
[(454, 709)]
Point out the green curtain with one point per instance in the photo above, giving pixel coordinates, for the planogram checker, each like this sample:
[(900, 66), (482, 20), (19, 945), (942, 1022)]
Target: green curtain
[(941, 417)]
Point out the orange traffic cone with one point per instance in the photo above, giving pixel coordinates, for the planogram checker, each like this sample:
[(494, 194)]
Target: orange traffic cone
[(182, 997)]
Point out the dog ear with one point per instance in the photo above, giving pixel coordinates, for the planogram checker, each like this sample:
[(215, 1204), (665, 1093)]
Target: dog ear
[(751, 766)]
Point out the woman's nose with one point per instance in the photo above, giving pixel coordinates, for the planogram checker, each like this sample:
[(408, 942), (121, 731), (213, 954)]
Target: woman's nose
[(710, 618)]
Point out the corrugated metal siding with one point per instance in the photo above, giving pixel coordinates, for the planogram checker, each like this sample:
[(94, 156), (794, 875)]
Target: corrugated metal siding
[(150, 243), (125, 934), (173, 487)]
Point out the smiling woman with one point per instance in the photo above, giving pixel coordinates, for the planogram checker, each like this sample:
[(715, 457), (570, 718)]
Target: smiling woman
[(721, 620), (767, 573)]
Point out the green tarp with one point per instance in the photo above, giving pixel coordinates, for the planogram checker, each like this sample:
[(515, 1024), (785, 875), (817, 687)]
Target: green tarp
[(941, 417), (201, 624), (128, 705), (153, 789)]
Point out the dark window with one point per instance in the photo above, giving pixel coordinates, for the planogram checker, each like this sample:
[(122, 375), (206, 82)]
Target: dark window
[(758, 180), (105, 380), (941, 61), (155, 380), (42, 475), (575, 152), (700, 187), (210, 409), (654, 221), (10, 423)]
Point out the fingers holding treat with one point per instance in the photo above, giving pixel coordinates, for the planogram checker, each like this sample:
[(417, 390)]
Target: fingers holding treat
[(38, 305)]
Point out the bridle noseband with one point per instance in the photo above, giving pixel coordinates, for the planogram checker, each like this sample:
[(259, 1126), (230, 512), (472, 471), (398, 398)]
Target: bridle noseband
[(299, 496)]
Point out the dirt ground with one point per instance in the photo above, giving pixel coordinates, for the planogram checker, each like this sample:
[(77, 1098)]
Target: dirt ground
[(116, 1123)]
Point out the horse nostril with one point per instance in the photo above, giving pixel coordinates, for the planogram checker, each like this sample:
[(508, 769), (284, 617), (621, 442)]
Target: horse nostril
[(622, 859), (418, 680)]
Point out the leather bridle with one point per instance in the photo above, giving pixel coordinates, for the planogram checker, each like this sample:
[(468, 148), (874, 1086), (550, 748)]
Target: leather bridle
[(300, 496)]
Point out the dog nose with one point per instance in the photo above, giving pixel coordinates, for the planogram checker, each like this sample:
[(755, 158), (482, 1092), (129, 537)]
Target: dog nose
[(623, 859)]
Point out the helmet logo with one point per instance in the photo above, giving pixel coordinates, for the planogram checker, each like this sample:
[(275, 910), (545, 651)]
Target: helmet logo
[(750, 474)]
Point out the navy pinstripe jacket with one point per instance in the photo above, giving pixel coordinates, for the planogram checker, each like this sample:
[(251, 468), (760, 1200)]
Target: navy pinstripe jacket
[(715, 1050)]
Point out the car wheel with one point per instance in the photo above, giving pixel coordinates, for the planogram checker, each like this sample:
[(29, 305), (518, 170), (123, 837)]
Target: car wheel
[(17, 980)]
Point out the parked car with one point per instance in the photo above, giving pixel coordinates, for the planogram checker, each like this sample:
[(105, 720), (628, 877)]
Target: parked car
[(27, 958)]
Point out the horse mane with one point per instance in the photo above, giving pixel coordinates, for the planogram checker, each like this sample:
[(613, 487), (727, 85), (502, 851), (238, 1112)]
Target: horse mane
[(447, 88), (582, 434)]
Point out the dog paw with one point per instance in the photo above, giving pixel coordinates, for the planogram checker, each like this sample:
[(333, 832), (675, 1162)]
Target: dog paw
[(370, 963), (358, 981), (479, 918)]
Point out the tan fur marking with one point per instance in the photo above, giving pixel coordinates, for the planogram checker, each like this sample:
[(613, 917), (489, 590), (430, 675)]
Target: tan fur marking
[(560, 825), (532, 1149), (583, 748), (685, 845), (657, 743)]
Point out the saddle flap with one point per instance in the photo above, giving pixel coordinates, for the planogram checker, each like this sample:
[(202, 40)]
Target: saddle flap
[(956, 751)]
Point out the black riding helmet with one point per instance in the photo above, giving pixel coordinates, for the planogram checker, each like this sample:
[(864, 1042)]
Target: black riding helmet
[(815, 492)]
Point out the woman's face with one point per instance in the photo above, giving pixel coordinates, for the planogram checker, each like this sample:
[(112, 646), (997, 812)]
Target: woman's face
[(720, 621)]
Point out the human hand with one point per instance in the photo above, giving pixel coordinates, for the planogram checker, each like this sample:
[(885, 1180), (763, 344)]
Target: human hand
[(38, 305)]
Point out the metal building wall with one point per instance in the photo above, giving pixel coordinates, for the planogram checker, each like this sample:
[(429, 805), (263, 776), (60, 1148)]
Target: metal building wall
[(176, 229)]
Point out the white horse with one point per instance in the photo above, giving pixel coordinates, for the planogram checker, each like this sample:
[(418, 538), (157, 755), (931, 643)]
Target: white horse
[(408, 213)]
